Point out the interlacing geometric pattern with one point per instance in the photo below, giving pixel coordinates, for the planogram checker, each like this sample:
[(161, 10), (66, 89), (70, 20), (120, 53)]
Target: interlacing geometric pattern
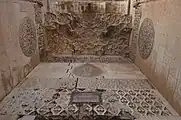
[(27, 37), (123, 103), (146, 38)]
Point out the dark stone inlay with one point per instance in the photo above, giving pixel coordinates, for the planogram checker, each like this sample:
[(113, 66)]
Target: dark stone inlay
[(85, 97)]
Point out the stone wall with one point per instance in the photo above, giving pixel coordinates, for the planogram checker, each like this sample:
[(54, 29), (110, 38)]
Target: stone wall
[(158, 47), (88, 28), (134, 35), (18, 43)]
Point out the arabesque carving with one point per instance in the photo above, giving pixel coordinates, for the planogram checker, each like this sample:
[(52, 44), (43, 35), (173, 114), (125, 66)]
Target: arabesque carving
[(89, 32)]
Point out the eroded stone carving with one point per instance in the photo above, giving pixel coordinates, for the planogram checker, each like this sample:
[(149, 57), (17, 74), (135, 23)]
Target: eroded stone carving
[(88, 33), (27, 36), (146, 38)]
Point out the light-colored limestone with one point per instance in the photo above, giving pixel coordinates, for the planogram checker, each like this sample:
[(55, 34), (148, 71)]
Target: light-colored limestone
[(50, 70), (166, 18), (65, 70), (50, 83), (14, 65), (113, 84), (116, 71)]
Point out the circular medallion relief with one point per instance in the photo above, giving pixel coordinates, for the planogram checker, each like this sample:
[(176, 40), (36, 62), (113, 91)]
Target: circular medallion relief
[(146, 38), (27, 36)]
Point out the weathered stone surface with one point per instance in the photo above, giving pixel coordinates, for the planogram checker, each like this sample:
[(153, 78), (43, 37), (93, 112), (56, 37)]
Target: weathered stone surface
[(49, 95), (88, 32), (113, 84), (47, 102), (46, 94)]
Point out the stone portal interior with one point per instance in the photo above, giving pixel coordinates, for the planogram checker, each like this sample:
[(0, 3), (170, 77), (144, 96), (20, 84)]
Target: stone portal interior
[(70, 59)]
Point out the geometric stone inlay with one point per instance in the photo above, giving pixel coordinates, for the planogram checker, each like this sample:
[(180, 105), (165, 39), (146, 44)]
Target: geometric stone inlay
[(87, 70), (100, 110), (27, 36), (71, 109), (146, 38), (121, 103)]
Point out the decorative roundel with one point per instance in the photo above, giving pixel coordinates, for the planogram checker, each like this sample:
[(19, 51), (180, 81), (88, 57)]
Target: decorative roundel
[(146, 38), (27, 36)]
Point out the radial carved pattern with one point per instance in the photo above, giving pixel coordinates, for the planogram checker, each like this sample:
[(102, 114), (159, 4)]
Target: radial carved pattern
[(146, 38), (27, 36)]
